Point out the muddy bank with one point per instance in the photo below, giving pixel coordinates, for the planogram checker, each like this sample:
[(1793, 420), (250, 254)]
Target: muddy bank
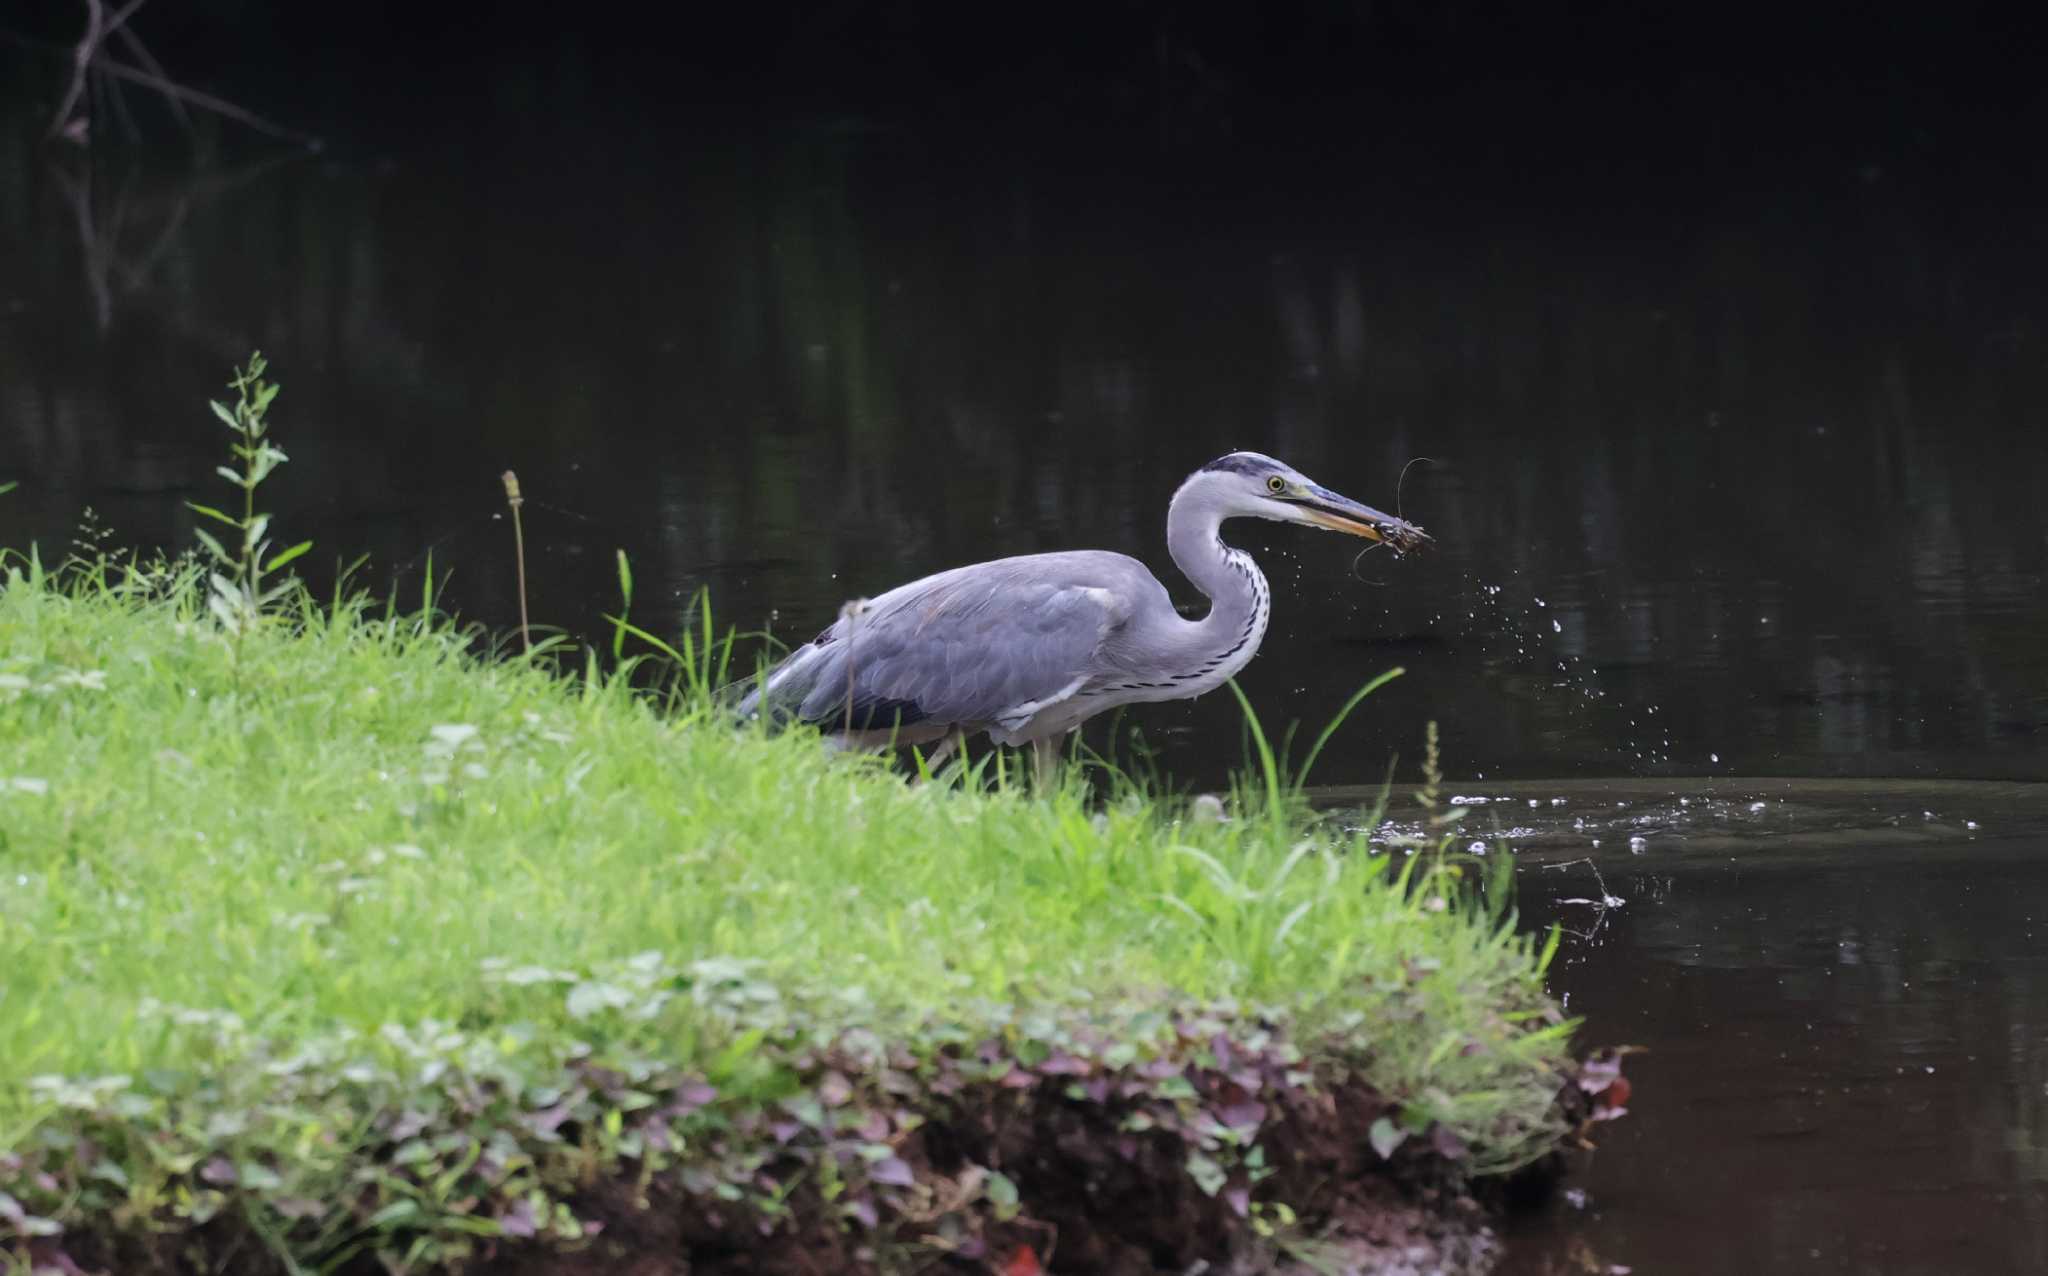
[(1227, 1153)]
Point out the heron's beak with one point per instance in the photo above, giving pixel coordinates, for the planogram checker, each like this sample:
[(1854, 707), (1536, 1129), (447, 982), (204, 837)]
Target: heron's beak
[(1320, 507)]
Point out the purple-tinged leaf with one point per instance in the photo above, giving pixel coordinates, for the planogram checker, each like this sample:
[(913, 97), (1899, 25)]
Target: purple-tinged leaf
[(1062, 1064), (893, 1170), (57, 1260), (219, 1171), (1596, 1074), (1219, 1045), (834, 1090), (784, 1131), (1239, 1199), (695, 1094), (545, 1122), (1447, 1144), (1247, 1116), (518, 1220), (862, 1208)]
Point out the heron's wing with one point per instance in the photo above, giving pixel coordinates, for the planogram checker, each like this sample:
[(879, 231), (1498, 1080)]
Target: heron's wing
[(991, 643)]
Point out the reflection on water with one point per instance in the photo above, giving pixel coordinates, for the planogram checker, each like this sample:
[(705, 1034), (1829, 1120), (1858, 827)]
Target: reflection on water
[(1749, 487), (1843, 988)]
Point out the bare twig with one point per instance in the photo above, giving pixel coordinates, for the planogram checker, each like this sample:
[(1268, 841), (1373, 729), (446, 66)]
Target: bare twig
[(89, 56), (205, 101), (82, 56), (515, 500), (141, 54)]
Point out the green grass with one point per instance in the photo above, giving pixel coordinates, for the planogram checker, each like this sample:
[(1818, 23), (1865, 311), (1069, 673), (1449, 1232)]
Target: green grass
[(339, 843)]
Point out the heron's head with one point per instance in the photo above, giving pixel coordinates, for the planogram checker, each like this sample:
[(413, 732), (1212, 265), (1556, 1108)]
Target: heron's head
[(1255, 485)]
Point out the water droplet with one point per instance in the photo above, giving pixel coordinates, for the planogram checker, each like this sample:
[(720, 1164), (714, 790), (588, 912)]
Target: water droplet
[(1555, 627), (1713, 757), (1636, 845)]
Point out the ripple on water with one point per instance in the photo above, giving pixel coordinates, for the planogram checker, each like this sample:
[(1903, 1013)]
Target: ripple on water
[(1842, 989)]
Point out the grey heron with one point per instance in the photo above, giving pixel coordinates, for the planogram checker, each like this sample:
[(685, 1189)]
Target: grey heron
[(1029, 648)]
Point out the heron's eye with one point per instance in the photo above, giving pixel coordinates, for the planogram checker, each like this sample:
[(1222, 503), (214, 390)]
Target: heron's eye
[(1276, 485)]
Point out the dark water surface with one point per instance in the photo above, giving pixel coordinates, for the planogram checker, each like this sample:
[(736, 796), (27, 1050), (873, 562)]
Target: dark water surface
[(1727, 481), (1729, 484), (1843, 992)]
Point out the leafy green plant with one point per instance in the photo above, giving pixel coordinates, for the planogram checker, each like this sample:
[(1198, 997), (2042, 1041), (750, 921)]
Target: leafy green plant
[(243, 583)]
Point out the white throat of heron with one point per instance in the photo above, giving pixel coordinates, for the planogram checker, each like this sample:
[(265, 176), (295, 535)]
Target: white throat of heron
[(1218, 645)]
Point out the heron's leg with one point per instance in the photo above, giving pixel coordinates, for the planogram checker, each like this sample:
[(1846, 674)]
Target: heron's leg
[(1045, 755), (940, 754)]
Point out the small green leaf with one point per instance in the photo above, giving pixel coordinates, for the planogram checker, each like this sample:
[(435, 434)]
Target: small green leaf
[(230, 475), (213, 546), (1385, 1137), (396, 1212), (212, 513), (1002, 1193), (284, 556), (224, 612), (9, 486), (226, 414)]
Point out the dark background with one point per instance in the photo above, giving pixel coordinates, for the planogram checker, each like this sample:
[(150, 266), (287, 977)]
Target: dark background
[(1723, 334)]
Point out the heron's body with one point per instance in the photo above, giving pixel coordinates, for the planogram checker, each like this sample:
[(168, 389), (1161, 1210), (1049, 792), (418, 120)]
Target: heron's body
[(1028, 648)]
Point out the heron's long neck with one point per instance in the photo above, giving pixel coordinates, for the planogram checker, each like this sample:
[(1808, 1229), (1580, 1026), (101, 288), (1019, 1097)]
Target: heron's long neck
[(1219, 644)]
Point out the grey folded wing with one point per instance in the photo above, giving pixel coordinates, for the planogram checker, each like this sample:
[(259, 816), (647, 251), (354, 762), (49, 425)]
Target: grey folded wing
[(984, 645)]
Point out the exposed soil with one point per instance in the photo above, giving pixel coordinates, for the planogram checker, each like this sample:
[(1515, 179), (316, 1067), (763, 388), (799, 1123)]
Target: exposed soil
[(1098, 1173), (1088, 1207)]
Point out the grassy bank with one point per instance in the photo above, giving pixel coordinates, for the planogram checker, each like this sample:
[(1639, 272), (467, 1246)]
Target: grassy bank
[(332, 942)]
